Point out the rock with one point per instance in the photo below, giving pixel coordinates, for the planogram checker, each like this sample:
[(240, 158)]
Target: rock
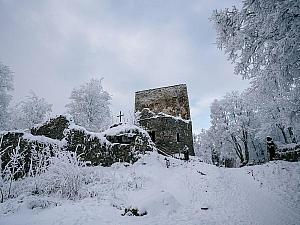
[(54, 128)]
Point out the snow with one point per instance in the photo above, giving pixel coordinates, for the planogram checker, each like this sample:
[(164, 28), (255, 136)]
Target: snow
[(185, 193), (100, 136), (124, 128), (158, 115), (38, 138), (42, 139)]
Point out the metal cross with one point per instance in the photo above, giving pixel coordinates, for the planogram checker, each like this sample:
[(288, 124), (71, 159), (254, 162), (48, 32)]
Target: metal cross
[(120, 115)]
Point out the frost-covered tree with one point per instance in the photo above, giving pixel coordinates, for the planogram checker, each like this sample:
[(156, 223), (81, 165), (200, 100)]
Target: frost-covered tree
[(262, 39), (234, 125), (29, 112), (89, 106), (203, 146), (6, 85), (224, 135)]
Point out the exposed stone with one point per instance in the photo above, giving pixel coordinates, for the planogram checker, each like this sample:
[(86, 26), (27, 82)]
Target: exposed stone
[(134, 212), (288, 152), (54, 128)]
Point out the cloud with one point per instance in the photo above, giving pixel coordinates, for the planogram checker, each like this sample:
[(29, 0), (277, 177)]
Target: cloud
[(54, 46)]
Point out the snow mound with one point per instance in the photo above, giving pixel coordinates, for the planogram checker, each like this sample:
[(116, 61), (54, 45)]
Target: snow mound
[(25, 203), (157, 203)]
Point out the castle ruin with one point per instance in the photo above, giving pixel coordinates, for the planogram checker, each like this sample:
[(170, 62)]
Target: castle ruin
[(164, 112)]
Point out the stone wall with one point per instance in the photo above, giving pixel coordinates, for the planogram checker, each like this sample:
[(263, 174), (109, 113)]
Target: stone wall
[(172, 100), (288, 152), (170, 134), (165, 114)]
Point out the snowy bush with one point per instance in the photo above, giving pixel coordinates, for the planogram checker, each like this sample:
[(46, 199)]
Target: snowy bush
[(61, 175), (37, 202), (64, 175)]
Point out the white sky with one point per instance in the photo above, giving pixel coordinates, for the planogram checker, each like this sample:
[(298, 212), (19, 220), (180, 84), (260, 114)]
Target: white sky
[(55, 45)]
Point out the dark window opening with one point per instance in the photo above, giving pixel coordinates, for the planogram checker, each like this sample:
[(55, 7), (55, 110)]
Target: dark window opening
[(177, 137), (152, 135)]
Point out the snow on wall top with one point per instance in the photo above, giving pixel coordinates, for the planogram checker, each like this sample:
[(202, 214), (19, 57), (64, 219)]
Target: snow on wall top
[(124, 128)]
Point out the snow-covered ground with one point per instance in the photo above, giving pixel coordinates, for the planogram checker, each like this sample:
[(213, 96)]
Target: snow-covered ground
[(185, 193)]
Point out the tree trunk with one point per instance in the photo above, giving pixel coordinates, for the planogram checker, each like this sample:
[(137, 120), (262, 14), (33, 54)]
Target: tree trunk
[(254, 146), (245, 141), (238, 148), (283, 134)]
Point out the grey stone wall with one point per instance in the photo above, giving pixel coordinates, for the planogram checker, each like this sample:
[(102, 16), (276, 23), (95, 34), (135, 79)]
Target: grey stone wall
[(165, 114), (170, 135), (172, 100), (288, 152)]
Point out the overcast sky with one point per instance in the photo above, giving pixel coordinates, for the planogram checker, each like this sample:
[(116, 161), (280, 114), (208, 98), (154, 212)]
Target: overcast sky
[(53, 46)]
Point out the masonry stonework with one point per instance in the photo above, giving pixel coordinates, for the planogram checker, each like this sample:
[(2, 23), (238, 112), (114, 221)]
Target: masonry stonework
[(165, 114)]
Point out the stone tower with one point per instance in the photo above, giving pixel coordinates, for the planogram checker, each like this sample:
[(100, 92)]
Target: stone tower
[(164, 112)]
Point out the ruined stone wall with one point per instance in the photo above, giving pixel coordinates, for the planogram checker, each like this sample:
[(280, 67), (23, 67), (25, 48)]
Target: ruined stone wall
[(171, 135), (172, 100)]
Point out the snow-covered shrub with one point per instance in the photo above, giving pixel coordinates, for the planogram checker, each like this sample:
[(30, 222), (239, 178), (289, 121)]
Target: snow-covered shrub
[(64, 175), (33, 202)]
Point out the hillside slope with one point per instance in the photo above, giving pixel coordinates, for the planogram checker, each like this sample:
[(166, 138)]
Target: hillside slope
[(186, 193)]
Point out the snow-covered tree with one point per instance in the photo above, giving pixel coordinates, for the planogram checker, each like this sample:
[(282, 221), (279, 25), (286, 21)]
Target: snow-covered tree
[(235, 123), (203, 146), (29, 112), (89, 106), (6, 85), (224, 133), (263, 41)]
